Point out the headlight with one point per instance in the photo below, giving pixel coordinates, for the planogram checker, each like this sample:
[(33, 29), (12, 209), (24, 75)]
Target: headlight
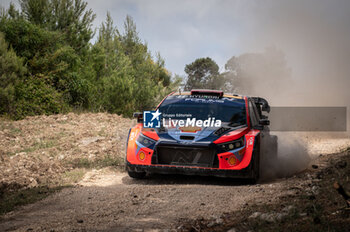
[(145, 141), (231, 145)]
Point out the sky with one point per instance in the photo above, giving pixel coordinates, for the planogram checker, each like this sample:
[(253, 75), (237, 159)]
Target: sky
[(181, 31), (314, 35)]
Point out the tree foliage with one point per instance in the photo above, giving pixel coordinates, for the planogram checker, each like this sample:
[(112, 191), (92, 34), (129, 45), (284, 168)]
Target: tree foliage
[(256, 73), (11, 72), (203, 73), (70, 17), (249, 73), (127, 70), (48, 64)]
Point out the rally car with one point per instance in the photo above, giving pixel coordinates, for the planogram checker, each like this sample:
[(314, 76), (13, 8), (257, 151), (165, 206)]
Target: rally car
[(201, 132)]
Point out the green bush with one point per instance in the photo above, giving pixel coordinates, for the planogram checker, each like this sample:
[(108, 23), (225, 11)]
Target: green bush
[(48, 66), (11, 70), (34, 97)]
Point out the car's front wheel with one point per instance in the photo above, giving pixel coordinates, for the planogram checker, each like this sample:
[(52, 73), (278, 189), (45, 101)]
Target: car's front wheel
[(255, 164), (137, 175), (256, 169)]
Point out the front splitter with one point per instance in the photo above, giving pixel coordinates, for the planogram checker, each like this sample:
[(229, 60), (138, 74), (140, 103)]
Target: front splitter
[(181, 170)]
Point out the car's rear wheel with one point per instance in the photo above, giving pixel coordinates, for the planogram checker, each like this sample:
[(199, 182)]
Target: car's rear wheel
[(137, 175)]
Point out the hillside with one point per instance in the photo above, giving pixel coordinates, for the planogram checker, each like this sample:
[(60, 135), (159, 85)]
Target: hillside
[(49, 150)]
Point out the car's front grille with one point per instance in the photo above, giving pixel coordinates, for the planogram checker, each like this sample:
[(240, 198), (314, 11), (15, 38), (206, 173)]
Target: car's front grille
[(185, 156)]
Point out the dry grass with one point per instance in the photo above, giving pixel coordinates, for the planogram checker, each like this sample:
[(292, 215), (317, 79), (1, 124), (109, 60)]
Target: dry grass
[(53, 151)]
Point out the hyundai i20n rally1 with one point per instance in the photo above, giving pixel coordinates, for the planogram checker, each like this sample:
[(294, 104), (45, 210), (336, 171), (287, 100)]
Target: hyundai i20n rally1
[(202, 132)]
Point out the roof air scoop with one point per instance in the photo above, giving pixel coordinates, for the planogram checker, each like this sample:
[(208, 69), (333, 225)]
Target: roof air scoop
[(207, 92)]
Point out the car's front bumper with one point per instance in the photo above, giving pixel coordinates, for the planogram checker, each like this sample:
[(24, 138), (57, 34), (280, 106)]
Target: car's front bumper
[(183, 170)]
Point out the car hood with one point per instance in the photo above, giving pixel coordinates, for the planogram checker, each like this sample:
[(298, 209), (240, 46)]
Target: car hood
[(195, 135)]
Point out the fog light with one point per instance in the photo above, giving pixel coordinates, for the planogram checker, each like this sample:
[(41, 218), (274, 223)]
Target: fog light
[(232, 160), (238, 144), (142, 155)]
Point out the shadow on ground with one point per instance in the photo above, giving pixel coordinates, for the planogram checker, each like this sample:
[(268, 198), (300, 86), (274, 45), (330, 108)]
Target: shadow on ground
[(170, 179)]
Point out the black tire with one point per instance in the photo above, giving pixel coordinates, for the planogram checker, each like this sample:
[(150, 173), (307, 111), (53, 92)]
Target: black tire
[(137, 175), (255, 171), (255, 165)]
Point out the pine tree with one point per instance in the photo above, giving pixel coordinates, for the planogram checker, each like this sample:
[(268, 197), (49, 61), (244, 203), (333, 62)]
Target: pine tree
[(11, 71)]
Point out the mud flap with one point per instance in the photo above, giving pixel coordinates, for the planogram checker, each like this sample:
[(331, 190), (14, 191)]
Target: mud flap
[(269, 147)]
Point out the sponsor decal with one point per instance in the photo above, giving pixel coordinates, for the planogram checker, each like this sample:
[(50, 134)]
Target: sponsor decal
[(132, 135), (201, 100), (152, 119), (250, 141), (191, 122)]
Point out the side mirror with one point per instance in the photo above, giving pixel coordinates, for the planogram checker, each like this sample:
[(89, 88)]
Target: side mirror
[(139, 116), (264, 122)]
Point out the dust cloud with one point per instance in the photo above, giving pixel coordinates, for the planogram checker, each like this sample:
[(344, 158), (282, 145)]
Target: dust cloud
[(292, 158), (299, 56), (305, 48)]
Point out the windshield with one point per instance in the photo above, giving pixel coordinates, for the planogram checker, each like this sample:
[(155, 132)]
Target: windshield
[(228, 110)]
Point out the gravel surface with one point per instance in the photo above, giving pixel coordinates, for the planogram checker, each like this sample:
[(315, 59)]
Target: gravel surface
[(123, 203), (108, 200)]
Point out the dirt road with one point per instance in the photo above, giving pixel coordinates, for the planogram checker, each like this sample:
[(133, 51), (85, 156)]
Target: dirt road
[(108, 200), (113, 201)]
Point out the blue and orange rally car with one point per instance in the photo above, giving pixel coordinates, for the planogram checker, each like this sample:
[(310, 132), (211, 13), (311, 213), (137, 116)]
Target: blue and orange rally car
[(202, 132)]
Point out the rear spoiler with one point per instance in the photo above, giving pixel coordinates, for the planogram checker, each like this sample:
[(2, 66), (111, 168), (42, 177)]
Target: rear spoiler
[(263, 103)]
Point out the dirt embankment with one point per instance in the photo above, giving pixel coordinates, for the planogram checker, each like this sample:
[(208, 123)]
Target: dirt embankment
[(317, 199), (51, 150)]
